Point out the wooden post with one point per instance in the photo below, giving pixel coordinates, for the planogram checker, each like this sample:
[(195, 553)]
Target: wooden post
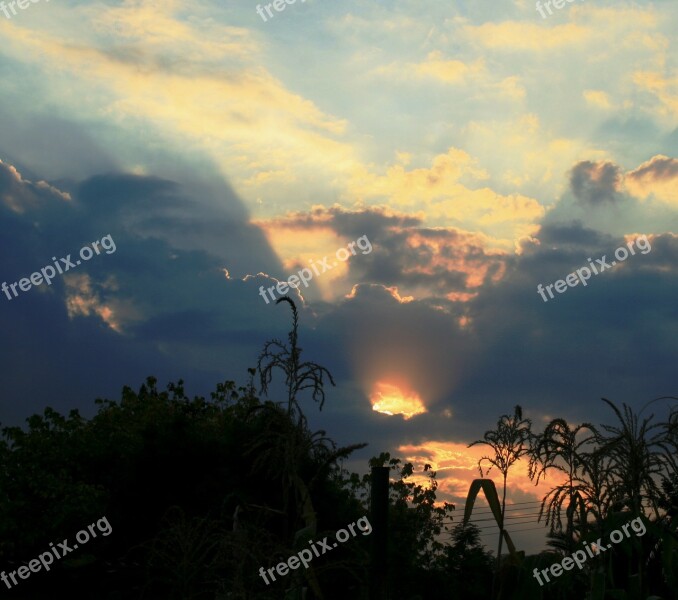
[(379, 522)]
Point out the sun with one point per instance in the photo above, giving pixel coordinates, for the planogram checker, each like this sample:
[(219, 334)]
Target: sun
[(389, 399)]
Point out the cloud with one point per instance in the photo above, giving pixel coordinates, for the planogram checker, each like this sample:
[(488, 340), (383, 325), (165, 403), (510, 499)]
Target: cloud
[(448, 200), (614, 201), (657, 177), (475, 174), (515, 36), (83, 300), (154, 67), (421, 261), (456, 467), (19, 194), (53, 146), (662, 87), (435, 311), (120, 317), (434, 66), (597, 98), (595, 183)]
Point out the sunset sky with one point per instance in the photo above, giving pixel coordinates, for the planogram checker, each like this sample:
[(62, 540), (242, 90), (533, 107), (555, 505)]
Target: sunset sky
[(480, 148)]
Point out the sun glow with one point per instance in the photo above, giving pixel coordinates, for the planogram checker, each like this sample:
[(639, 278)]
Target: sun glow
[(389, 399), (456, 466)]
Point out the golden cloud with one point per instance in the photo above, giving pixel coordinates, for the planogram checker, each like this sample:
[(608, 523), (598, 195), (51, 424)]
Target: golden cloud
[(656, 178)]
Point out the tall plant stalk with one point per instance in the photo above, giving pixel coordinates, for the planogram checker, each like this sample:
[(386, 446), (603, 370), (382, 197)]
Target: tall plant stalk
[(509, 441)]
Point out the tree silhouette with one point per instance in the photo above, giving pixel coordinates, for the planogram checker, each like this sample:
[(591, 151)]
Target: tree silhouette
[(509, 441), (636, 449), (558, 448)]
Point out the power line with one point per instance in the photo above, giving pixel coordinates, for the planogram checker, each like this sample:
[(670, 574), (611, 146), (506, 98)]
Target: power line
[(512, 506), (516, 530), (516, 520), (535, 514), (489, 512), (513, 520), (509, 518), (528, 502), (488, 532), (508, 508), (530, 521), (496, 529)]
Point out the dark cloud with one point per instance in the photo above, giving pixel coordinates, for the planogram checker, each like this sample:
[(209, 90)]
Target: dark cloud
[(604, 199), (417, 259), (502, 345), (160, 304), (476, 338), (595, 183), (574, 235), (371, 220)]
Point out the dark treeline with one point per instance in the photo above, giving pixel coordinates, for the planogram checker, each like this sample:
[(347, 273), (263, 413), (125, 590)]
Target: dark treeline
[(202, 493), (617, 488)]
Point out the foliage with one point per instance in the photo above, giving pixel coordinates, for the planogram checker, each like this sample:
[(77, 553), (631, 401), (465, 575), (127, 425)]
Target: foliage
[(562, 448), (466, 563), (417, 523), (509, 442), (636, 451), (192, 511), (613, 474), (298, 376)]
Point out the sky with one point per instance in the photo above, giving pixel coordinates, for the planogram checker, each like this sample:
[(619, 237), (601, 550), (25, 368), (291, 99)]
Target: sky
[(470, 152)]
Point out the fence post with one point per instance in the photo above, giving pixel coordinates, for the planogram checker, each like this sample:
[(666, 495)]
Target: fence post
[(379, 517)]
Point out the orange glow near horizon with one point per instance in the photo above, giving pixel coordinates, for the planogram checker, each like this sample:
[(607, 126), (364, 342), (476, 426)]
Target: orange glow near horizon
[(389, 399), (457, 466)]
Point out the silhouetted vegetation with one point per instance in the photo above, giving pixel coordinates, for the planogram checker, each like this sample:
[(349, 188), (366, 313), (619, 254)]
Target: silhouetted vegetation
[(201, 493), (613, 474)]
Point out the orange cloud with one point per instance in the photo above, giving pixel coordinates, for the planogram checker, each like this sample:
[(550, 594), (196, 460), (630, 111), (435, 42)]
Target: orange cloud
[(457, 467), (389, 399), (83, 300), (440, 262)]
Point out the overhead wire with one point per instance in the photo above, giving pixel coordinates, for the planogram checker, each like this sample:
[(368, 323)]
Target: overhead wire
[(535, 514), (514, 531), (527, 502), (485, 530), (508, 508), (495, 527), (529, 517), (509, 518), (512, 507), (507, 527)]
